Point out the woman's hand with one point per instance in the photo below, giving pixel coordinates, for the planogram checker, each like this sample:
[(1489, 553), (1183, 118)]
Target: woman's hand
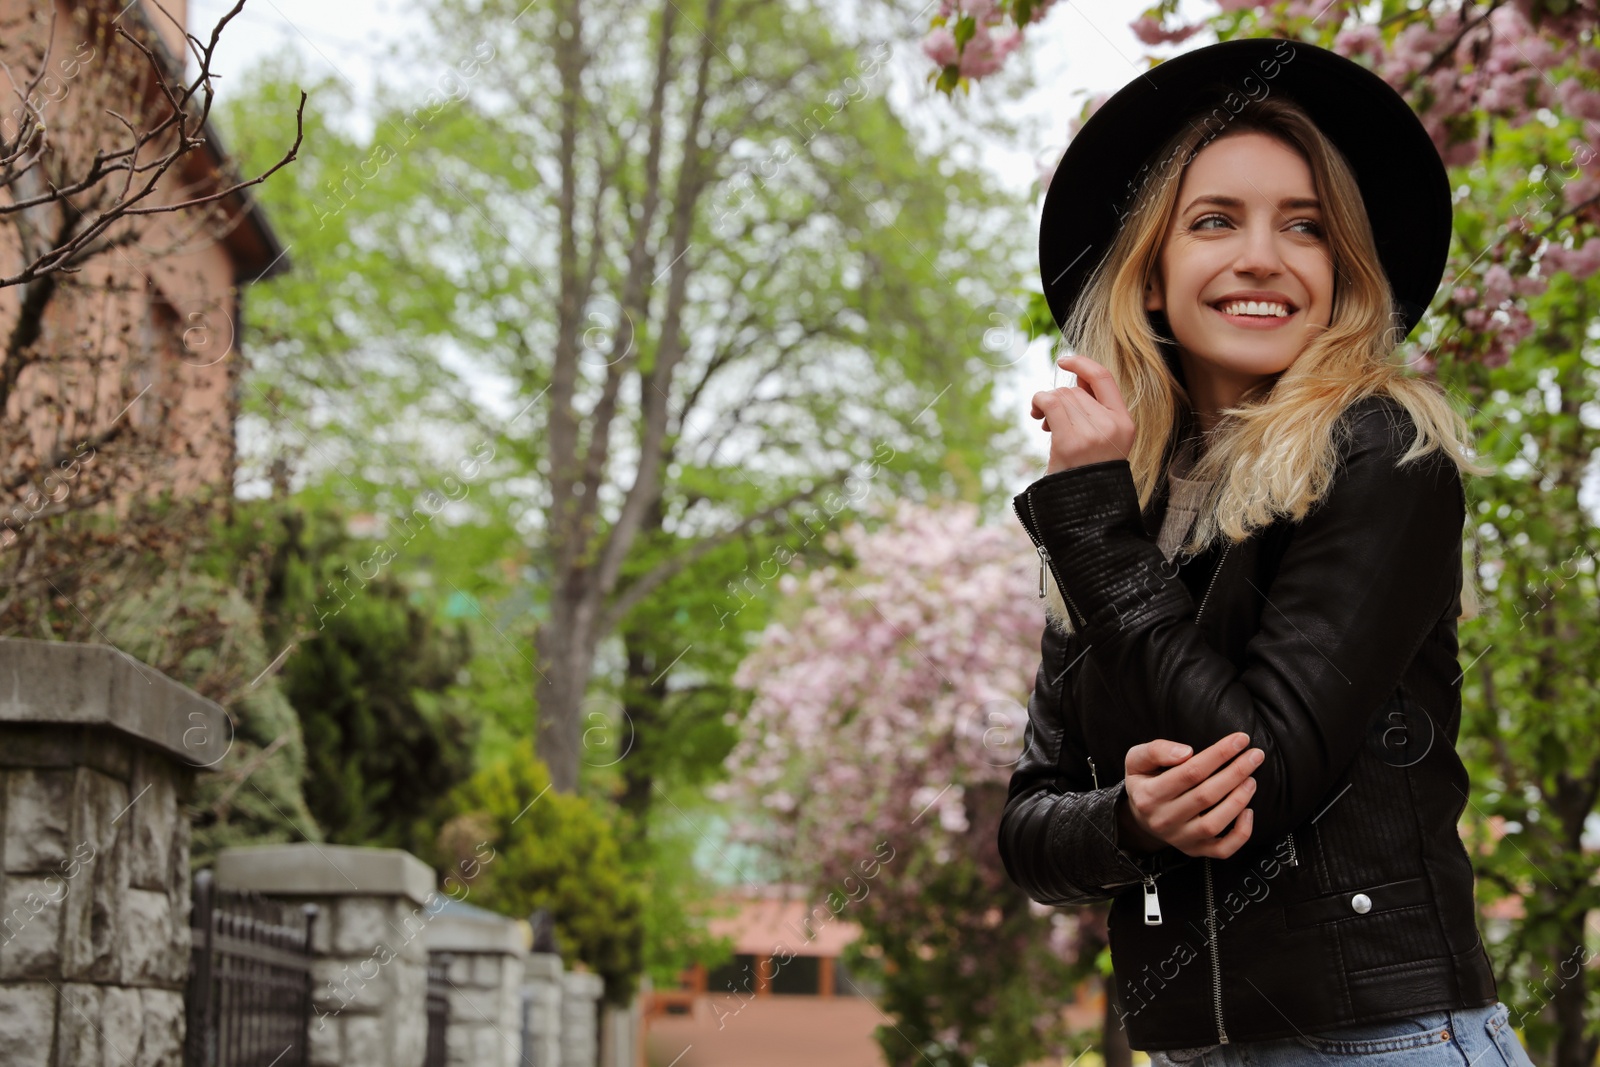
[(1190, 803), (1087, 422)]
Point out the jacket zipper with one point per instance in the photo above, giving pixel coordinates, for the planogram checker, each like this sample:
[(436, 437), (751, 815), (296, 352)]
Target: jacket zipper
[(1211, 909), (1216, 963), (1031, 525), (1213, 582)]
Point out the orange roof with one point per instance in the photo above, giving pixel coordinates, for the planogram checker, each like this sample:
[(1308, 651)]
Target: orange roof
[(773, 920)]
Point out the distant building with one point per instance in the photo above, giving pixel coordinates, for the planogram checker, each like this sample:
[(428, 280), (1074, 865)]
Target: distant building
[(784, 943), (157, 319)]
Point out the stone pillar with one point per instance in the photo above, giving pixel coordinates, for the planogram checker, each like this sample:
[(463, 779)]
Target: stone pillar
[(580, 1018), (541, 1005), (485, 980), (98, 753), (371, 968), (619, 1035)]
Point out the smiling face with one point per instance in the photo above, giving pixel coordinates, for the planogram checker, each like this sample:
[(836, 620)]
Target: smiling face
[(1245, 273)]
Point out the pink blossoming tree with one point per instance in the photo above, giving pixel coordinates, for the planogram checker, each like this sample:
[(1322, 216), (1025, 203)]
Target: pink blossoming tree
[(873, 762)]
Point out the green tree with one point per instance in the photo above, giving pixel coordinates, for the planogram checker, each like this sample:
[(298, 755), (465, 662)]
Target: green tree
[(372, 676), (698, 265)]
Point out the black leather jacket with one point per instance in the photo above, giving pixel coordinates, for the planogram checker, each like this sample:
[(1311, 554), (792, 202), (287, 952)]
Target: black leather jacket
[(1332, 643)]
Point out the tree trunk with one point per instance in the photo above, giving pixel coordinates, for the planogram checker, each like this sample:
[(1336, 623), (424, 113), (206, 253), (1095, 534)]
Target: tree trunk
[(565, 651), (642, 706)]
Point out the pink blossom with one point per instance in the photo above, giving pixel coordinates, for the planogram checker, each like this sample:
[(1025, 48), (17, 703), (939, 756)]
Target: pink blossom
[(1516, 328), (899, 687), (1581, 191), (1496, 286), (985, 53), (980, 10), (940, 46), (1498, 353), (1040, 8), (1580, 262), (1152, 30), (1358, 41), (1577, 99), (1460, 154), (1529, 285), (1538, 52)]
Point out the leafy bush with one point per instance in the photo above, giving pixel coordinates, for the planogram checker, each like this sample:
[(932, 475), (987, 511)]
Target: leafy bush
[(516, 845)]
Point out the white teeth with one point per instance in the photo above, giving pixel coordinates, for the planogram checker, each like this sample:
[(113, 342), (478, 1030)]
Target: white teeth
[(1252, 307)]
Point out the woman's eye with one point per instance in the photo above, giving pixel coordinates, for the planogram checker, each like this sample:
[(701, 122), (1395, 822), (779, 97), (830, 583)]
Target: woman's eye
[(1314, 228)]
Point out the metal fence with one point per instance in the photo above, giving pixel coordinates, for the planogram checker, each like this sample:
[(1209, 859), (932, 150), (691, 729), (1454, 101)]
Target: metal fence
[(438, 1010), (248, 999)]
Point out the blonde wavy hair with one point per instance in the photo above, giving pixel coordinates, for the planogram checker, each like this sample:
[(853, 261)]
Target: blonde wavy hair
[(1276, 452)]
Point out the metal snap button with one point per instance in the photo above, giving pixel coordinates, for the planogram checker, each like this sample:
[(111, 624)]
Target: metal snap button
[(1361, 902)]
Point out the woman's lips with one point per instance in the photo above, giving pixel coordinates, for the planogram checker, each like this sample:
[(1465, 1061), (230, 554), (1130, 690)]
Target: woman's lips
[(1256, 322)]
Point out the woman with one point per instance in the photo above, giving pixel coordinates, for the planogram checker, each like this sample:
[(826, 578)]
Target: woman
[(1234, 237)]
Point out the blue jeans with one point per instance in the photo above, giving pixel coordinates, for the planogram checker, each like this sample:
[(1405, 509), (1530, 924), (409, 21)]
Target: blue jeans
[(1479, 1037)]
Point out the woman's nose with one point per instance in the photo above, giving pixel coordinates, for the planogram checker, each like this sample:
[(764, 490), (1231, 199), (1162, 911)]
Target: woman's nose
[(1260, 254)]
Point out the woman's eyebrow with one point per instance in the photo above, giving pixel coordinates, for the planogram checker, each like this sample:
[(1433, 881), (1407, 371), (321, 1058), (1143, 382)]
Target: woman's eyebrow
[(1235, 202)]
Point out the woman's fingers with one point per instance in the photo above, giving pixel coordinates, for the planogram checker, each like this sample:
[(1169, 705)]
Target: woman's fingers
[(1236, 838), (1222, 783), (1193, 773), (1049, 402), (1152, 757), (1096, 379), (1188, 800), (1233, 809)]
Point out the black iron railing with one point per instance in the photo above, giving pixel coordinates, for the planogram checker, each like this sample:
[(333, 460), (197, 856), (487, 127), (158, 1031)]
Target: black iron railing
[(248, 999), (438, 1009)]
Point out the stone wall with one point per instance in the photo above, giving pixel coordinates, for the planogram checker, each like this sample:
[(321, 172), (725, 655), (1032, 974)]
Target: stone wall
[(580, 1018), (371, 970), (485, 983), (97, 755), (542, 997), (621, 1034)]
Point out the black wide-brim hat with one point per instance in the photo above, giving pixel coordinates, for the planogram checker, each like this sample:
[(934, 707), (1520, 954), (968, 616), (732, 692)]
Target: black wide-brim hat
[(1399, 171)]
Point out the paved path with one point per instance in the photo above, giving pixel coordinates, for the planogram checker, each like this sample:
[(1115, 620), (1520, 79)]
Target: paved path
[(773, 1031)]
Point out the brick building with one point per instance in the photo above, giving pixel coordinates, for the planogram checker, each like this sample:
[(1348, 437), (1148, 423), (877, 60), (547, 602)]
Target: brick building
[(137, 348)]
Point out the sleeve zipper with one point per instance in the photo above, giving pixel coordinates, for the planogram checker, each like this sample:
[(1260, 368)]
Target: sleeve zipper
[(1030, 523), (1152, 903)]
